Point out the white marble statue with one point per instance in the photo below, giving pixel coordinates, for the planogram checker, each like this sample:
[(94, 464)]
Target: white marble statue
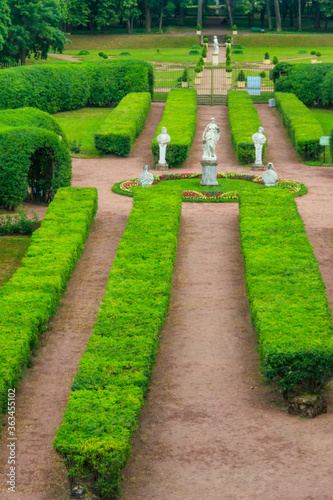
[(146, 179), (216, 45), (163, 140), (210, 138), (269, 176), (259, 140)]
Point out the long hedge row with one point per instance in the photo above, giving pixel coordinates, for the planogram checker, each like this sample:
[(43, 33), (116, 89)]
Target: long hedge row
[(54, 88), (120, 128), (114, 373), (25, 134), (288, 303), (31, 296), (244, 122), (180, 119), (304, 129)]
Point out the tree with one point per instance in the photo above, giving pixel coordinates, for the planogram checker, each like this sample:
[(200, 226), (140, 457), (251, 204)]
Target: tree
[(326, 9), (34, 29), (251, 7), (4, 21), (277, 15)]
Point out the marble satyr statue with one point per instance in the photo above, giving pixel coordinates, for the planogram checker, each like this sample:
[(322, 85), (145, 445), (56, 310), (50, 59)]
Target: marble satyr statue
[(146, 179), (259, 140), (209, 138), (269, 176), (163, 139), (216, 45)]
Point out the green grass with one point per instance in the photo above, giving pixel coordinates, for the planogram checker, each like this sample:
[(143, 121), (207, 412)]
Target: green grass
[(325, 118), (12, 250), (81, 125), (107, 42), (256, 54), (301, 41), (165, 55)]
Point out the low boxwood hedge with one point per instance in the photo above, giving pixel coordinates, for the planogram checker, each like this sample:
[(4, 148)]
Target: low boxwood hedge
[(31, 296), (120, 128), (288, 303), (244, 122), (114, 373), (304, 129), (180, 118), (54, 88), (33, 150)]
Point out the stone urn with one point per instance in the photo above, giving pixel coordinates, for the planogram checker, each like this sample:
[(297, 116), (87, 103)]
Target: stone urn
[(240, 85), (266, 61)]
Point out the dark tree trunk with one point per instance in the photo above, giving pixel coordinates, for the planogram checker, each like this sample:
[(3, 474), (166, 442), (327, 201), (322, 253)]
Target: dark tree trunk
[(299, 15), (269, 17), (291, 13), (277, 15), (230, 13), (161, 18), (181, 15), (262, 17), (92, 25), (200, 9), (23, 57), (105, 30), (132, 22), (147, 17)]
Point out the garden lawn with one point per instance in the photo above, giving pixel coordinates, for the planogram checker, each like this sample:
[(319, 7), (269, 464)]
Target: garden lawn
[(106, 42), (166, 55), (257, 54), (12, 250), (81, 125), (325, 118)]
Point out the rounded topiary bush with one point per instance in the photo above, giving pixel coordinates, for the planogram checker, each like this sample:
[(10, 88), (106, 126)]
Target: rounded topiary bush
[(313, 52), (266, 55), (275, 60), (84, 53), (34, 156)]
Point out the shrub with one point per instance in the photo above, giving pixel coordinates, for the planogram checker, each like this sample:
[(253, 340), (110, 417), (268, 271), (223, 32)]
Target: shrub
[(205, 40), (244, 122), (31, 296), (227, 51), (262, 74), (288, 304), (196, 47), (84, 53), (179, 117), (18, 224), (238, 46), (194, 52), (241, 76), (266, 55), (125, 53), (303, 127), (228, 60), (237, 52), (185, 75), (198, 27), (198, 69), (33, 155), (75, 146), (228, 68), (310, 83), (313, 52), (228, 39), (204, 51), (60, 87), (108, 390), (234, 27), (120, 128), (302, 51), (275, 60), (318, 54)]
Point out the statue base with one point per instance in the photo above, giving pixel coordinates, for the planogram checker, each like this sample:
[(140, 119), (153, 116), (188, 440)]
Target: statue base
[(209, 174), (161, 166), (215, 59), (258, 166)]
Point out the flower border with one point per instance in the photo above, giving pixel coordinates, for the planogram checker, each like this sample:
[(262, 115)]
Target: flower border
[(293, 186)]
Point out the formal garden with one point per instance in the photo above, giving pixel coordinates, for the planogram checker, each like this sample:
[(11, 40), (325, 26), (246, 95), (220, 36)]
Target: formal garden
[(213, 308)]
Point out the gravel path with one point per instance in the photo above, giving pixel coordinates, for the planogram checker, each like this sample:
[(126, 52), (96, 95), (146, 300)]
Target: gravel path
[(209, 430)]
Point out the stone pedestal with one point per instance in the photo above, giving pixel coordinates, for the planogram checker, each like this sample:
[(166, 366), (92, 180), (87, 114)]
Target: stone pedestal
[(209, 174), (308, 405), (215, 59), (161, 166), (258, 166)]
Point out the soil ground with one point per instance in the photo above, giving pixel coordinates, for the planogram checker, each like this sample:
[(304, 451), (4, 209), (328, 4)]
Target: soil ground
[(209, 429)]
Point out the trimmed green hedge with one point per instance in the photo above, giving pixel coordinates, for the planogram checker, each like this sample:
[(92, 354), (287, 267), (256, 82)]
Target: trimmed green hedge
[(114, 373), (54, 88), (31, 296), (304, 129), (180, 119), (244, 122), (33, 152), (288, 303), (120, 128)]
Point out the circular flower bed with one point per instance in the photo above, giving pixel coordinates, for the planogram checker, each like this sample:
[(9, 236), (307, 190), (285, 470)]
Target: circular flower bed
[(216, 195)]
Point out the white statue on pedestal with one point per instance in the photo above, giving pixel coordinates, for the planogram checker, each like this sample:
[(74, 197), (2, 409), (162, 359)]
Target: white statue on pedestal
[(209, 138), (259, 140), (146, 179), (163, 139), (269, 176), (216, 45)]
